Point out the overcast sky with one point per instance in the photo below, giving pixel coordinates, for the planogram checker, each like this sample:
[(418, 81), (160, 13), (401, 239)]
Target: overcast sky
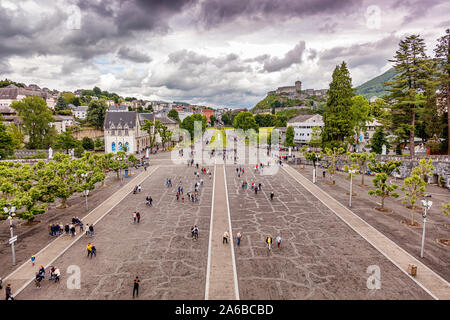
[(213, 52)]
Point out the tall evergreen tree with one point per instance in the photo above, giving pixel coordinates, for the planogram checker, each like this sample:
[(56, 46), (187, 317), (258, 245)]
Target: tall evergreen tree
[(61, 104), (337, 117), (411, 66), (442, 52)]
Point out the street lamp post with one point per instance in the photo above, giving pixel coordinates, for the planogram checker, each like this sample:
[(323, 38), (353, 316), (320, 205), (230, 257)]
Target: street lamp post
[(426, 206), (351, 187), (86, 192), (11, 213)]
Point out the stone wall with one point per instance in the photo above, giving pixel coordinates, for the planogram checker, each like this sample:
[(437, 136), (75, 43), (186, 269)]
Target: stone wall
[(440, 163)]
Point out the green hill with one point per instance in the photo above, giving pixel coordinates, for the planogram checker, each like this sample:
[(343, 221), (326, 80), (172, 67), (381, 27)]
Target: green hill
[(374, 87)]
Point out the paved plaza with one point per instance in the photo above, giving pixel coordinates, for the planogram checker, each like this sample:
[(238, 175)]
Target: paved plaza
[(321, 255), (159, 249)]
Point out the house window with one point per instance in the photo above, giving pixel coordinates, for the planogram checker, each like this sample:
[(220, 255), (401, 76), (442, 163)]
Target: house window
[(119, 132), (126, 132), (113, 146), (120, 146), (113, 132), (366, 135)]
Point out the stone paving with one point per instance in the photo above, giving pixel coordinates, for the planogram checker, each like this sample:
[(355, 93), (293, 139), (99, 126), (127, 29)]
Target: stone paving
[(159, 249), (320, 256)]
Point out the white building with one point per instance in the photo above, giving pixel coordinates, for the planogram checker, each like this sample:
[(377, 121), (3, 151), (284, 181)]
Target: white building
[(61, 123), (303, 126), (80, 112), (123, 129)]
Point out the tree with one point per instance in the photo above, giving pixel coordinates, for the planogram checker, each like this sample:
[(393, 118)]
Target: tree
[(228, 117), (337, 117), (65, 141), (188, 123), (316, 137), (245, 121), (87, 143), (425, 169), (36, 119), (442, 53), (16, 135), (360, 111), (414, 187), (361, 159), (173, 114), (61, 104), (378, 140), (60, 177), (97, 91), (96, 113), (6, 143), (289, 141), (383, 188), (164, 134), (152, 129), (99, 143), (315, 157), (132, 158), (212, 120), (333, 156), (411, 66)]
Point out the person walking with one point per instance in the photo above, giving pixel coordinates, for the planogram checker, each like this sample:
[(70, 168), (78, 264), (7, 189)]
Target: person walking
[(91, 230), (278, 239), (150, 201), (238, 237), (93, 251), (89, 249), (134, 217), (87, 229), (57, 274), (139, 188), (269, 242), (271, 196), (33, 259), (195, 233), (136, 286), (226, 235), (8, 292), (138, 216)]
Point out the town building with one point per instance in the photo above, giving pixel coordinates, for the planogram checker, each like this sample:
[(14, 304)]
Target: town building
[(303, 125), (62, 123), (123, 130), (80, 112), (364, 136), (12, 93)]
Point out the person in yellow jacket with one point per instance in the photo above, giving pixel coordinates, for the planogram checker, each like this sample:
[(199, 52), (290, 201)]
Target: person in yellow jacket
[(89, 249), (269, 242)]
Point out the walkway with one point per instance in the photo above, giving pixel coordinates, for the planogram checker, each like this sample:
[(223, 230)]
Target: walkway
[(24, 274), (221, 277), (431, 282)]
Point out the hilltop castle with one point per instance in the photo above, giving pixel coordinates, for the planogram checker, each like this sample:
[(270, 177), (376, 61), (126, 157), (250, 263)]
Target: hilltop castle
[(296, 91)]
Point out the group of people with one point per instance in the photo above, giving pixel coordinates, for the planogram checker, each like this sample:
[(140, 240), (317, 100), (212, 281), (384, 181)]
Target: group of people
[(168, 182), (226, 238), (149, 201), (56, 229), (40, 275), (269, 241), (136, 217), (137, 189), (91, 250), (194, 232)]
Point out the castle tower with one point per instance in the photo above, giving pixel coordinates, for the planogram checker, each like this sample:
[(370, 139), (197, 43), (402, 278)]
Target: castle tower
[(298, 86)]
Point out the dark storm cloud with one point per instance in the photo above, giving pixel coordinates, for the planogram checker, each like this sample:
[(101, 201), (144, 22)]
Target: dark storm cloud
[(370, 53), (216, 12), (133, 55), (293, 56)]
